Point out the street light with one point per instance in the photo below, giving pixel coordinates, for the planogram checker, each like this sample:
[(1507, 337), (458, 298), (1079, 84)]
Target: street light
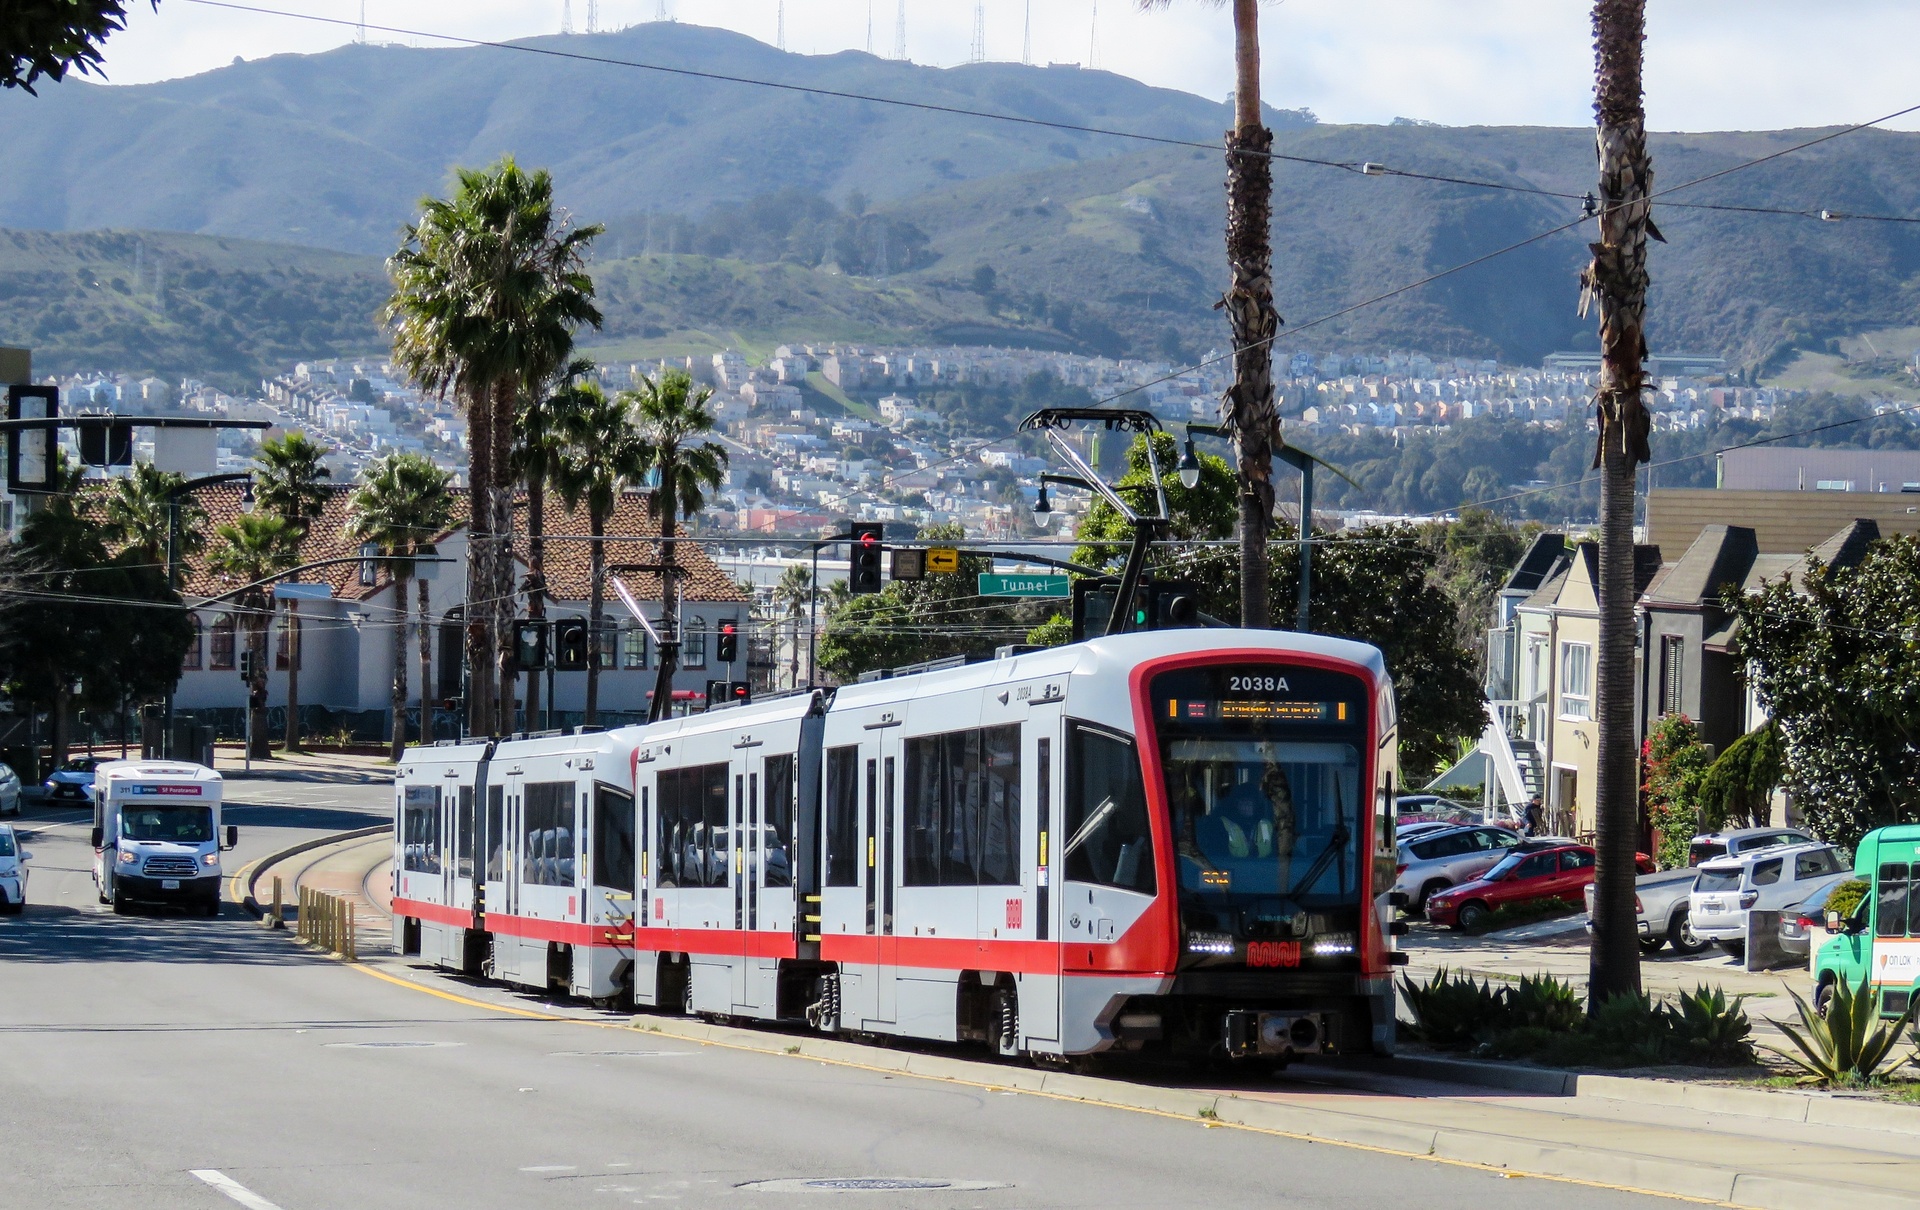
[(246, 494), (1189, 465), (1042, 509)]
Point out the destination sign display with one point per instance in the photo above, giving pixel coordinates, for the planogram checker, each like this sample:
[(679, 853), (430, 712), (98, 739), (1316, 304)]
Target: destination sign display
[(1256, 710), (163, 791)]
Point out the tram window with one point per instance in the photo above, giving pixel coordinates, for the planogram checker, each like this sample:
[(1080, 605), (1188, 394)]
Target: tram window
[(420, 830), (547, 826), (844, 850), (961, 824), (692, 816), (463, 834), (1108, 838), (496, 833), (779, 821), (613, 858)]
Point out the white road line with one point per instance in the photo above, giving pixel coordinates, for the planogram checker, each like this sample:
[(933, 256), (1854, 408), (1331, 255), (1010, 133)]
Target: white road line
[(234, 1189)]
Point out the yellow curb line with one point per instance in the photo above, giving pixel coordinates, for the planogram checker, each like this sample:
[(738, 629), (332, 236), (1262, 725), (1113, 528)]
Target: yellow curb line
[(1211, 1124)]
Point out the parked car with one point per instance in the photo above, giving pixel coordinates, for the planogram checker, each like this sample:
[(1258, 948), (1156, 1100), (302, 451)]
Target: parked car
[(1877, 940), (73, 779), (1531, 870), (1433, 861), (13, 871), (1709, 845), (1661, 908), (1768, 879), (1420, 827), (1798, 922), (9, 791), (1436, 808)]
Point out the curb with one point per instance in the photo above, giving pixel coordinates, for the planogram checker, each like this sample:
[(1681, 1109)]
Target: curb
[(1626, 1171), (252, 903), (1784, 1105)]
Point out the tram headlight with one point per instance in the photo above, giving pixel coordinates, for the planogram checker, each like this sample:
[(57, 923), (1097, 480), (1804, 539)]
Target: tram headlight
[(1333, 947), (1209, 943)]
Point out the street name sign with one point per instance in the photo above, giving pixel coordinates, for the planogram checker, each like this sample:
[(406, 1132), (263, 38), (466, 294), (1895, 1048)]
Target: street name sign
[(1041, 585)]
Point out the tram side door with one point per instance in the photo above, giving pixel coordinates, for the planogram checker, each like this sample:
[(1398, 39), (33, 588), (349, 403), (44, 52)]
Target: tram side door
[(456, 825), (1040, 991), (503, 892)]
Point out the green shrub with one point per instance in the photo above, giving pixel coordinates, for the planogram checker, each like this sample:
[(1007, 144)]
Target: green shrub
[(1850, 1045), (1847, 896), (1453, 1010), (1545, 1003), (1708, 1028)]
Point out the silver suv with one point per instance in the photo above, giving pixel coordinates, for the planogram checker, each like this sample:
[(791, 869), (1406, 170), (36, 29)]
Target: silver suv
[(1740, 841), (1437, 860)]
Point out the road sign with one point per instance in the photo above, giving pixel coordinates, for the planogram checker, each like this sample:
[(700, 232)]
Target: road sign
[(907, 563), (1042, 585), (942, 559)]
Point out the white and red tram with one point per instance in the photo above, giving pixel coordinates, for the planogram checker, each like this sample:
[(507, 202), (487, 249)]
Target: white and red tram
[(1174, 840)]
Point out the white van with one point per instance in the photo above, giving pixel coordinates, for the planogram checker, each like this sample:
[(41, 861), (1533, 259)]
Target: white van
[(1766, 879), (157, 835)]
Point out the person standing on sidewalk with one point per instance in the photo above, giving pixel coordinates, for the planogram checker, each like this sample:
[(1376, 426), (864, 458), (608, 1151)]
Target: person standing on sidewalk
[(1533, 821)]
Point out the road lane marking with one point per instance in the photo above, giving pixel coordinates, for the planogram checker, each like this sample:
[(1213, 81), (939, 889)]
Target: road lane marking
[(1491, 1169), (234, 1189)]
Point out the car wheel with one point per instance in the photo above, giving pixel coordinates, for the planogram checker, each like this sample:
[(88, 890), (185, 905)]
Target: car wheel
[(1429, 891), (1651, 945), (1473, 917), (1680, 935), (1736, 950), (1823, 997)]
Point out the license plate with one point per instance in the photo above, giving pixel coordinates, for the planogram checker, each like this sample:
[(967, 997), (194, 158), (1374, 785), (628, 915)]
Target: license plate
[(169, 884)]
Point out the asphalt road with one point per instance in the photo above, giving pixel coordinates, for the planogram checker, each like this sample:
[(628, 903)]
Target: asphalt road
[(164, 1061)]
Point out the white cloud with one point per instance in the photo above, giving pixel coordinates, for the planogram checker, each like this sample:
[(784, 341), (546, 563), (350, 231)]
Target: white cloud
[(1712, 64)]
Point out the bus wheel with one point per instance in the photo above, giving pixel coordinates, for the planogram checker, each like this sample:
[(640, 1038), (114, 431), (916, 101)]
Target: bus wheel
[(122, 906), (1003, 1026)]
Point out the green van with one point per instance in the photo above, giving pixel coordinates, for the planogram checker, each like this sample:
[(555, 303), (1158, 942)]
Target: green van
[(1881, 939)]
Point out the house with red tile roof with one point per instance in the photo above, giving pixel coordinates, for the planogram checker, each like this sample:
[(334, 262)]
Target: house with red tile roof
[(350, 623)]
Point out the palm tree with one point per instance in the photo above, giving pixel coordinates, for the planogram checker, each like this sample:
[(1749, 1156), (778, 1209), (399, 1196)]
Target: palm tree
[(255, 547), (401, 503), (488, 287), (672, 416), (1249, 410), (792, 595), (140, 516), (601, 453), (1617, 280), (289, 483), (538, 446)]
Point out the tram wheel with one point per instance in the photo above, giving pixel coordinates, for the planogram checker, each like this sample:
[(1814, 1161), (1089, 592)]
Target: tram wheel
[(686, 991), (1003, 1026)]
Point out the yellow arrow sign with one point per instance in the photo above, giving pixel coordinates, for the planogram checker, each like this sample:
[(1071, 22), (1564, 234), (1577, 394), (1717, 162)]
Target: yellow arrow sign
[(942, 559)]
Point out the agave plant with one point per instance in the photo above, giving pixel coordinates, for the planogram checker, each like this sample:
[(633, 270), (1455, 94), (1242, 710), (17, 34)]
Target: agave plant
[(1544, 1002), (1712, 1028), (1452, 1010), (1849, 1045)]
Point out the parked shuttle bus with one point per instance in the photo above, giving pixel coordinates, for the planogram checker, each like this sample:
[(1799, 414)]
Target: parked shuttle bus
[(157, 835), (1177, 841)]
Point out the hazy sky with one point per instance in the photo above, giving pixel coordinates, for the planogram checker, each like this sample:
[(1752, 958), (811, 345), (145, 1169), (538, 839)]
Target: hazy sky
[(1713, 64)]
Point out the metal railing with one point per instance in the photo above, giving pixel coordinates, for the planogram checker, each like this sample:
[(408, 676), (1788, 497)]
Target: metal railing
[(327, 920)]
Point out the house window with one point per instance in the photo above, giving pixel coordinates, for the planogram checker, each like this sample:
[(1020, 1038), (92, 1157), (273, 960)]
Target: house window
[(1576, 684), (1672, 657), (633, 647), (1536, 666), (190, 662), (693, 647), (606, 645), (221, 655)]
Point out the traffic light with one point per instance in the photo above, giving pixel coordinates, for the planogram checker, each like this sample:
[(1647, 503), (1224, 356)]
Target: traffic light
[(570, 645), (106, 444), (530, 643), (726, 647), (863, 568), (728, 691), (246, 665), (1171, 606)]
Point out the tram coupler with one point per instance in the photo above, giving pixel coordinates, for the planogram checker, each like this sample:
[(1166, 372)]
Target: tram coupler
[(1248, 1033)]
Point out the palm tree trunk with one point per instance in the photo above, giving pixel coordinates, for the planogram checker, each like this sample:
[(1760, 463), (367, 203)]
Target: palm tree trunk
[(398, 746), (503, 589), (479, 645), (426, 663), (596, 603), (1617, 279), (1249, 407), (536, 577), (258, 748), (662, 704), (293, 675)]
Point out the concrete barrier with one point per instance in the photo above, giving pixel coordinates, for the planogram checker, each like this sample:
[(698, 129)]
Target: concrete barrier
[(1763, 942)]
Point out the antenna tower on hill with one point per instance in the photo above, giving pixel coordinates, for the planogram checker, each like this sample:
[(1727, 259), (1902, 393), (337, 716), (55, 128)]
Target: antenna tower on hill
[(900, 33), (979, 54), (360, 35), (593, 16), (869, 26), (660, 11), (1093, 38), (566, 16), (780, 25), (1026, 38)]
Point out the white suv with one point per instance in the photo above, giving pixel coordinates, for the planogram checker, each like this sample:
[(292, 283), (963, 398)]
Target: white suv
[(1769, 879)]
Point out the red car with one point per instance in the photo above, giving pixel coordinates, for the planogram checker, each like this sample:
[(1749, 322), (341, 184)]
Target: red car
[(1532, 870)]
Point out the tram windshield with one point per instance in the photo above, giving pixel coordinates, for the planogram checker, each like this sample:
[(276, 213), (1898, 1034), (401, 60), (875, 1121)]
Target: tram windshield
[(1263, 769)]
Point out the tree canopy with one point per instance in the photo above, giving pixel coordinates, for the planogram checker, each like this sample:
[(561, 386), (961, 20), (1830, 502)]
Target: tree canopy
[(52, 37)]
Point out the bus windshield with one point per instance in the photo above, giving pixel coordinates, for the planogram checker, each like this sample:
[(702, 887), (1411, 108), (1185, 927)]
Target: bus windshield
[(179, 824), (1264, 776)]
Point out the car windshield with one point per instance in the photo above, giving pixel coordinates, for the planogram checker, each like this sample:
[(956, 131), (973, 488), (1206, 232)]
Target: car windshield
[(1506, 865), (183, 825), (84, 764), (1719, 880), (6, 842)]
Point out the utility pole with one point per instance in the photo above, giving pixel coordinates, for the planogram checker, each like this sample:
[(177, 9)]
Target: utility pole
[(1617, 282)]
